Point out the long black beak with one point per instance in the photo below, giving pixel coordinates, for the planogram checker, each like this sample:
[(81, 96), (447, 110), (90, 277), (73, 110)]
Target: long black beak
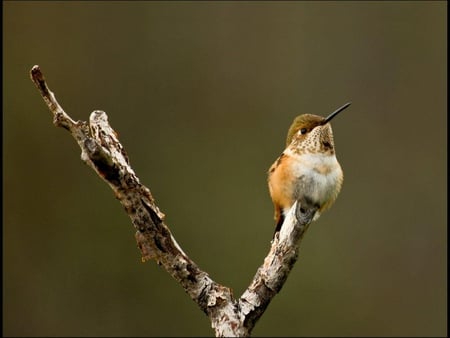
[(337, 111)]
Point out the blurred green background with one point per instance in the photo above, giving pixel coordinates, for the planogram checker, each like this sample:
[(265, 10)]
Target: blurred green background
[(202, 95)]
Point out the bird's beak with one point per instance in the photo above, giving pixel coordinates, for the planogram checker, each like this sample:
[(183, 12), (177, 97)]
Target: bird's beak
[(337, 111)]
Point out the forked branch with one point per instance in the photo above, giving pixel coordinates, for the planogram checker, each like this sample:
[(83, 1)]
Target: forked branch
[(102, 151)]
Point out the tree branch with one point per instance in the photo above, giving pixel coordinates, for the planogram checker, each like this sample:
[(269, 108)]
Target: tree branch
[(102, 151)]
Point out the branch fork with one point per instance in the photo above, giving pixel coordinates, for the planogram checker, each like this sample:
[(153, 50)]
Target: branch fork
[(230, 317)]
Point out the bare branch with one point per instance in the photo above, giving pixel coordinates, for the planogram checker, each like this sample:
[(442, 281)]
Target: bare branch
[(102, 151)]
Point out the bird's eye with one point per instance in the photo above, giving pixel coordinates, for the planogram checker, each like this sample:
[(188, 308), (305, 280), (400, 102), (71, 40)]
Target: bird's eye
[(303, 131)]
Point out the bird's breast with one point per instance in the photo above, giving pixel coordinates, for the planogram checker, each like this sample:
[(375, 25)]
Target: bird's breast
[(317, 176)]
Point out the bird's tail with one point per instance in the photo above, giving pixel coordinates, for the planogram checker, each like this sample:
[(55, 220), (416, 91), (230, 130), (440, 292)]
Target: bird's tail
[(279, 224)]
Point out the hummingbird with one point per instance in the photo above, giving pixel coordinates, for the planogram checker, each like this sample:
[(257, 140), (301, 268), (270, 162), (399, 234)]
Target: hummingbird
[(308, 169)]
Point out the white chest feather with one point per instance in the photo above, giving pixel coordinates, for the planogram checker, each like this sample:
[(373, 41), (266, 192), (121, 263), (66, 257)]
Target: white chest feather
[(317, 176)]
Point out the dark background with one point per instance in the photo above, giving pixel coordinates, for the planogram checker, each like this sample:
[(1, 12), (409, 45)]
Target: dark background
[(202, 95)]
